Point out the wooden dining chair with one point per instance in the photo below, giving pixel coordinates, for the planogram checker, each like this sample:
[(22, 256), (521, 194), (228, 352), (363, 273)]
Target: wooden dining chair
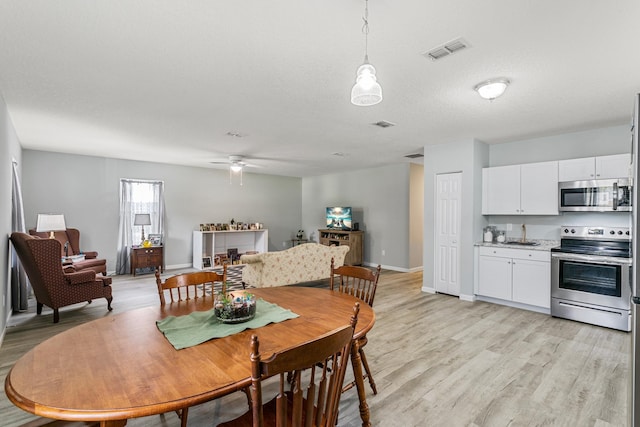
[(362, 283), (181, 287), (185, 286), (312, 398)]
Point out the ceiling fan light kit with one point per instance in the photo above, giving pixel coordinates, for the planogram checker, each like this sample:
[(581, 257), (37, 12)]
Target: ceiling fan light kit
[(367, 91), (493, 88)]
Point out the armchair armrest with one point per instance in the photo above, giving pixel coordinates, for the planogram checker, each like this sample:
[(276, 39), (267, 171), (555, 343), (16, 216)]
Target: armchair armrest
[(90, 255), (80, 277)]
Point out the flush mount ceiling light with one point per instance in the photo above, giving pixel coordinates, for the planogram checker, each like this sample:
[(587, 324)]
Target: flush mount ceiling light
[(367, 90), (493, 88)]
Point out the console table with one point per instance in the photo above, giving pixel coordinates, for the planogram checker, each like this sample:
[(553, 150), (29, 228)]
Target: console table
[(142, 257)]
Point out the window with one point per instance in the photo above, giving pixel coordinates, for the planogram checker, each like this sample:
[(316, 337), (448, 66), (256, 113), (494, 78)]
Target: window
[(136, 197)]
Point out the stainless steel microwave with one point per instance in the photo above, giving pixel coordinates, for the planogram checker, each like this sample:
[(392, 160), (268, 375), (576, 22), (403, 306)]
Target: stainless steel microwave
[(598, 195)]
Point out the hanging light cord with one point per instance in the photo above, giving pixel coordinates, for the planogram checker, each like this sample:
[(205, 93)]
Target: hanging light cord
[(365, 30)]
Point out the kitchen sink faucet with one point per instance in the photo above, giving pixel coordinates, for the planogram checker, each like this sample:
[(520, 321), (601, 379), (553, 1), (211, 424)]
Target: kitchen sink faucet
[(524, 233)]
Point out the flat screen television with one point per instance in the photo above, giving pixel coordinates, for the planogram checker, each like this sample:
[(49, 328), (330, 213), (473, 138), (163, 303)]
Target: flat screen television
[(339, 218)]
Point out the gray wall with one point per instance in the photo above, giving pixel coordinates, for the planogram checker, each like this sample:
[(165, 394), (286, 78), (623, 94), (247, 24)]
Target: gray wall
[(596, 142), (467, 157), (86, 190), (380, 199), (9, 151)]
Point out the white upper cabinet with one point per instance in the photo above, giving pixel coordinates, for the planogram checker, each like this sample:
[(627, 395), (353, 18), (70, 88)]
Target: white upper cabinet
[(539, 188), (529, 189), (501, 190), (616, 166), (602, 167)]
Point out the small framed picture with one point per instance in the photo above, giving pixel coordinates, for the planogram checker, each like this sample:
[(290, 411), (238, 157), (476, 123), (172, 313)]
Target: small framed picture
[(206, 262), (155, 239)]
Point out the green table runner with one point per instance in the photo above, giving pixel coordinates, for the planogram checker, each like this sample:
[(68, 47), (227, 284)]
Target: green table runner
[(200, 326)]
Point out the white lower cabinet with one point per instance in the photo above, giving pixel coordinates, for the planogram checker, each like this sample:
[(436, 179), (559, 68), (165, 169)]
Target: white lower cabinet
[(495, 277), (522, 276), (532, 282)]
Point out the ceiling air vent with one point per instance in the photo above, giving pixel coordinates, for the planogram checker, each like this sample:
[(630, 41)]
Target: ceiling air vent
[(383, 124), (414, 156), (446, 49)]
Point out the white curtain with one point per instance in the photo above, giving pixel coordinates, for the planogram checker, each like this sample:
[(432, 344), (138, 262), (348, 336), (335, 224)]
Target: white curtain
[(136, 197), (19, 283)]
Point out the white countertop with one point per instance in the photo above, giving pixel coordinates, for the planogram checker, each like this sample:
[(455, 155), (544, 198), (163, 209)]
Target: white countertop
[(544, 245)]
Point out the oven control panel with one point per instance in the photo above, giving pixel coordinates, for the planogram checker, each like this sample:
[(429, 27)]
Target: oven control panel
[(595, 233)]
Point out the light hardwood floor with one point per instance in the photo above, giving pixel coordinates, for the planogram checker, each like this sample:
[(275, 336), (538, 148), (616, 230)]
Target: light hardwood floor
[(437, 361)]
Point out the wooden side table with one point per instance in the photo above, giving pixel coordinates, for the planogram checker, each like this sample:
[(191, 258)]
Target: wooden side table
[(142, 257)]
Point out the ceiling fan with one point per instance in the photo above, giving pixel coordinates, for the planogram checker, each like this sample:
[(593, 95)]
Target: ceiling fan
[(236, 165)]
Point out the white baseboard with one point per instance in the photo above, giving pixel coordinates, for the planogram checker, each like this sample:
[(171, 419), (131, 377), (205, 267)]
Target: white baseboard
[(428, 290), (394, 268), (470, 298), (177, 266)]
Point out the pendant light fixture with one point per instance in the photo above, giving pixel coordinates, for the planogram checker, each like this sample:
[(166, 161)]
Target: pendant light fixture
[(367, 90)]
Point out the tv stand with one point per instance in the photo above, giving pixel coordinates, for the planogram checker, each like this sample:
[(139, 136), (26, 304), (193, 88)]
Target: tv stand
[(353, 239)]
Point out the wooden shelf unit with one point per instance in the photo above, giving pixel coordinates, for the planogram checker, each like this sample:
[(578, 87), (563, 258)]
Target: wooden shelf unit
[(353, 239), (210, 243)]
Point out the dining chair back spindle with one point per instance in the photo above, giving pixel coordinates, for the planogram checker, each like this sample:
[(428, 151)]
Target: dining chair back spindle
[(361, 283), (311, 399), (199, 284)]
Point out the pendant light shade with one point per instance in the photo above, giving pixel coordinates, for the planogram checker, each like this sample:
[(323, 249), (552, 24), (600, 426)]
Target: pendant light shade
[(366, 91)]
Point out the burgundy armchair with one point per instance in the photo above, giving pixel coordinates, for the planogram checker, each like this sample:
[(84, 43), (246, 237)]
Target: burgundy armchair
[(51, 285), (70, 241)]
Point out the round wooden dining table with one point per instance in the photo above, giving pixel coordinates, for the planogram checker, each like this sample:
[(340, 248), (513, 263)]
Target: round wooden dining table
[(121, 366)]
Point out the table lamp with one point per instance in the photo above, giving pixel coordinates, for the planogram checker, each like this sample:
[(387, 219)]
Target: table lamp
[(50, 223), (142, 219)]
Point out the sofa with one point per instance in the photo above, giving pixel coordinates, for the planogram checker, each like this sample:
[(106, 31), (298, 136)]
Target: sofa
[(303, 263)]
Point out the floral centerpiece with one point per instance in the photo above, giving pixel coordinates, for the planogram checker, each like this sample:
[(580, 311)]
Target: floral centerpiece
[(238, 307)]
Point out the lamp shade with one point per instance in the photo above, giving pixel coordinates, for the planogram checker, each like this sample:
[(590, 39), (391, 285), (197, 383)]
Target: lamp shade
[(50, 222), (367, 91), (142, 219)]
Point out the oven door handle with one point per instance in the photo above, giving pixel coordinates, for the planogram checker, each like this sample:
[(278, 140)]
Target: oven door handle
[(592, 258)]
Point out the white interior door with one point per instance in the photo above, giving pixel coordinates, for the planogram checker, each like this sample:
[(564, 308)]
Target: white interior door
[(448, 211)]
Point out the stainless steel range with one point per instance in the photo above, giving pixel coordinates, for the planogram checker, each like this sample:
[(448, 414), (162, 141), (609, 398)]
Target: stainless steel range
[(591, 274)]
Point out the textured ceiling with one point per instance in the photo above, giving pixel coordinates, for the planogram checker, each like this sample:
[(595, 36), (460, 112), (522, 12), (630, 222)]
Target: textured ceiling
[(167, 81)]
